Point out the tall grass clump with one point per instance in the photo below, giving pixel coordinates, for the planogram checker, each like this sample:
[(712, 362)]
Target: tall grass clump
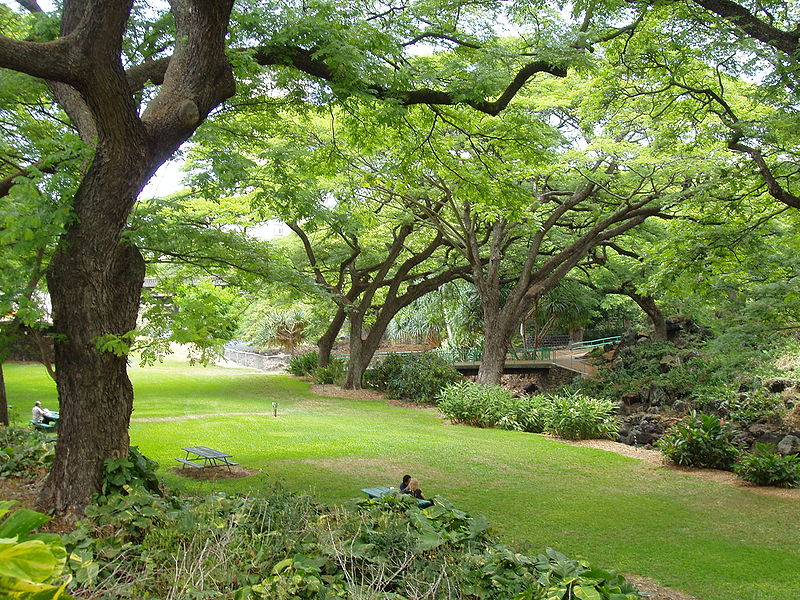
[(474, 404)]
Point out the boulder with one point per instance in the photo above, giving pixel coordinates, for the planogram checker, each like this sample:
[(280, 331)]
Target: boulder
[(789, 444), (777, 384), (657, 396), (640, 430), (771, 437)]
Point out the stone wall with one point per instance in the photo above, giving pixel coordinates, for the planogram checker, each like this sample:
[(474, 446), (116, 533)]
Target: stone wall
[(254, 360)]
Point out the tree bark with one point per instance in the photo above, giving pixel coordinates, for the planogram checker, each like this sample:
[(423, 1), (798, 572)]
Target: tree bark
[(651, 309), (495, 345), (3, 399), (328, 339), (358, 361), (95, 282)]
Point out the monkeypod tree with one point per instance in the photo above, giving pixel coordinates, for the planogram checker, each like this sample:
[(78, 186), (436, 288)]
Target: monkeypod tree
[(137, 80)]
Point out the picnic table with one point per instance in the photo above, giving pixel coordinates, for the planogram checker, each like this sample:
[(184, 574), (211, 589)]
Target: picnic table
[(48, 426), (378, 491), (201, 457)]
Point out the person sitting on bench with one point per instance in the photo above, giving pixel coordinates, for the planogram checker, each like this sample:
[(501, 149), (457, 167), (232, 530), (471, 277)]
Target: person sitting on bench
[(413, 489), (41, 415)]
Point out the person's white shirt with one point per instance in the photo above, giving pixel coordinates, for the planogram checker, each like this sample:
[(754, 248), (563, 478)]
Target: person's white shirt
[(38, 413)]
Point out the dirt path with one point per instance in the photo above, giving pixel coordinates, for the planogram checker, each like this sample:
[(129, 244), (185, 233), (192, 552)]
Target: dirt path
[(655, 458)]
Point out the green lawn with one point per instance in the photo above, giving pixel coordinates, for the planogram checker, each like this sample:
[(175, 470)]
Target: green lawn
[(707, 539)]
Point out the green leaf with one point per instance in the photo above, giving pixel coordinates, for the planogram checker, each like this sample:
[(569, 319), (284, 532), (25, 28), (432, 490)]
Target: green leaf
[(31, 560), (16, 589), (21, 522)]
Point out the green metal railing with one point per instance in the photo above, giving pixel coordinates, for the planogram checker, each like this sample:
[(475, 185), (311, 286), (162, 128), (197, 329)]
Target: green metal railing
[(594, 343), (457, 355)]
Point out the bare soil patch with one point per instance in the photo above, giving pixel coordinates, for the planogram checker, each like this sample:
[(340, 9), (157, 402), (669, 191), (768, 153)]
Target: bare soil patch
[(199, 416), (337, 392), (653, 591), (214, 473), (655, 458), (25, 491)]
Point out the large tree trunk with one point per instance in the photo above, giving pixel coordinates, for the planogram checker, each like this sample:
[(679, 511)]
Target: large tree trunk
[(358, 362), (495, 346), (328, 339), (95, 282), (3, 398), (651, 309)]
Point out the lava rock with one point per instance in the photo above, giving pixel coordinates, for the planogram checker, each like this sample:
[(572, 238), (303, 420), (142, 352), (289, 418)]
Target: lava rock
[(777, 384), (790, 444)]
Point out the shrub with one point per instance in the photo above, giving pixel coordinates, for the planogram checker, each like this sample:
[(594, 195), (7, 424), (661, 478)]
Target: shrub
[(578, 417), (700, 440), (740, 408), (474, 404), (333, 372), (528, 413), (287, 546), (764, 466), (303, 364), (136, 471), (24, 452), (414, 377)]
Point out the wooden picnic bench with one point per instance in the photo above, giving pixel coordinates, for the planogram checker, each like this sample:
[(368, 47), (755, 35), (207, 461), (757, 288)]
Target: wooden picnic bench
[(378, 491), (201, 457)]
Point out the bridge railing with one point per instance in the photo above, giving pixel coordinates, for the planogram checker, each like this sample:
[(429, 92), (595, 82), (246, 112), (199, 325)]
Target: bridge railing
[(594, 343), (457, 355)]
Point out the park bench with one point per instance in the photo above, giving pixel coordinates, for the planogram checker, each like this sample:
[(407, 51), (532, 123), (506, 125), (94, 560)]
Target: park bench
[(46, 427), (205, 457), (377, 492)]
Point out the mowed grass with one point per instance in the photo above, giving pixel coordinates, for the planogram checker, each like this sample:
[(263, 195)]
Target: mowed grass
[(710, 540)]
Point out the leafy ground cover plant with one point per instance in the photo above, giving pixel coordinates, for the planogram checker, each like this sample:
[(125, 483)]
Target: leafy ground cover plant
[(136, 471), (331, 373), (579, 417), (764, 466), (288, 546), (24, 453), (303, 364), (31, 564), (413, 377), (700, 440)]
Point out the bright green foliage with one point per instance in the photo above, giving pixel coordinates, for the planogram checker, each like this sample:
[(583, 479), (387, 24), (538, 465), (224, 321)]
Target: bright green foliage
[(413, 377), (201, 315), (303, 364), (333, 372), (24, 452), (31, 564), (700, 440), (284, 546), (122, 475), (474, 404), (579, 417), (764, 466), (571, 416), (743, 409)]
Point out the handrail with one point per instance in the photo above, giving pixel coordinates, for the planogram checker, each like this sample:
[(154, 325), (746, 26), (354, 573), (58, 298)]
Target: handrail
[(595, 343)]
